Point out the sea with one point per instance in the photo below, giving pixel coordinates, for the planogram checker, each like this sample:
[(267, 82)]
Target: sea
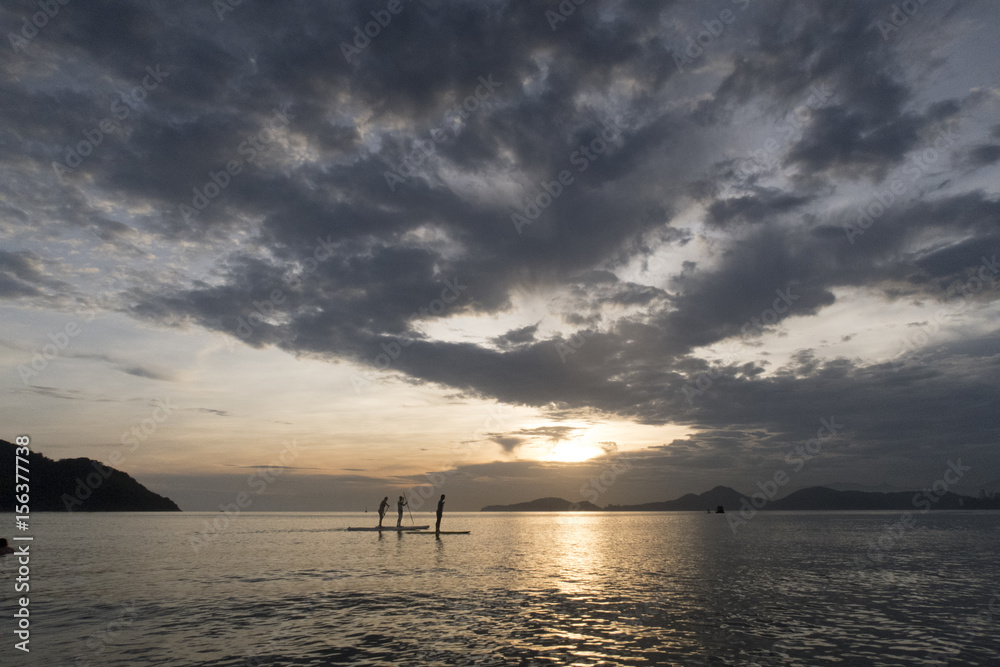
[(603, 588)]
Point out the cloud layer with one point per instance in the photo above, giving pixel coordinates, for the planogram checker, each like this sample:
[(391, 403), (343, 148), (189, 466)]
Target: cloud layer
[(238, 173)]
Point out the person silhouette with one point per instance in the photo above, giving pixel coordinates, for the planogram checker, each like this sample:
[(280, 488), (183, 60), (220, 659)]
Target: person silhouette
[(4, 549), (440, 511), (383, 507), (400, 504)]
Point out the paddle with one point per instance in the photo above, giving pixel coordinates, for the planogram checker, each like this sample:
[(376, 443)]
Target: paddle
[(412, 522)]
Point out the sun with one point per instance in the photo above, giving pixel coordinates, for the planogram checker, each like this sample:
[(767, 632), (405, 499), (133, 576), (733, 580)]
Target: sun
[(568, 451)]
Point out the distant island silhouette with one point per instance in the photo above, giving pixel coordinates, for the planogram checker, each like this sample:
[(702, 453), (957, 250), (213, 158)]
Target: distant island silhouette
[(812, 499), (545, 505), (82, 485)]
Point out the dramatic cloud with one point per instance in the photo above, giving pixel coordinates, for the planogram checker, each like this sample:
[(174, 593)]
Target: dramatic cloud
[(628, 215)]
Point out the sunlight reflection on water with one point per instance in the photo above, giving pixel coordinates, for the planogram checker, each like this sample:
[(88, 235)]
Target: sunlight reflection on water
[(522, 589)]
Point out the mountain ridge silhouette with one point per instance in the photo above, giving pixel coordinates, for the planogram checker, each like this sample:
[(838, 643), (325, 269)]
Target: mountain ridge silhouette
[(78, 484)]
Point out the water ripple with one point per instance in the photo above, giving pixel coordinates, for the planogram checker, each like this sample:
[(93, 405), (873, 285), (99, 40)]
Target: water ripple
[(598, 590)]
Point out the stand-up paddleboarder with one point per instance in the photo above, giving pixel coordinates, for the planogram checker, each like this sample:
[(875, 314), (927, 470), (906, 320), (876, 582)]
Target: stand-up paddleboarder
[(400, 504), (383, 507), (437, 526)]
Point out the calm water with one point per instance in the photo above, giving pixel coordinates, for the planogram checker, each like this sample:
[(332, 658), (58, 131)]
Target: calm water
[(522, 589)]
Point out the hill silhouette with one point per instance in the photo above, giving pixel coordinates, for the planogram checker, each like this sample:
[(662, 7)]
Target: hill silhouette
[(79, 484), (823, 498), (810, 499), (720, 495), (544, 505)]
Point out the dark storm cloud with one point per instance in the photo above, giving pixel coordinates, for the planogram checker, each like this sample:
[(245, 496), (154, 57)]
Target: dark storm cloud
[(516, 337), (23, 274), (754, 208), (869, 125), (985, 154), (11, 286), (320, 255)]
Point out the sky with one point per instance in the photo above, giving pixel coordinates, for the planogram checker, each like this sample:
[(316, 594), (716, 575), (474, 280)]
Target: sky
[(608, 251)]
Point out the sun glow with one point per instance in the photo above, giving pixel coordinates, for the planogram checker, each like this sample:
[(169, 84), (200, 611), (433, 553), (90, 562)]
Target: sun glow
[(568, 451)]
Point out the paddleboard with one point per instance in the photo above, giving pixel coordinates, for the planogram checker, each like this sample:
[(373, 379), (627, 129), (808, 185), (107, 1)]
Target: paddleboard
[(443, 532), (393, 528)]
